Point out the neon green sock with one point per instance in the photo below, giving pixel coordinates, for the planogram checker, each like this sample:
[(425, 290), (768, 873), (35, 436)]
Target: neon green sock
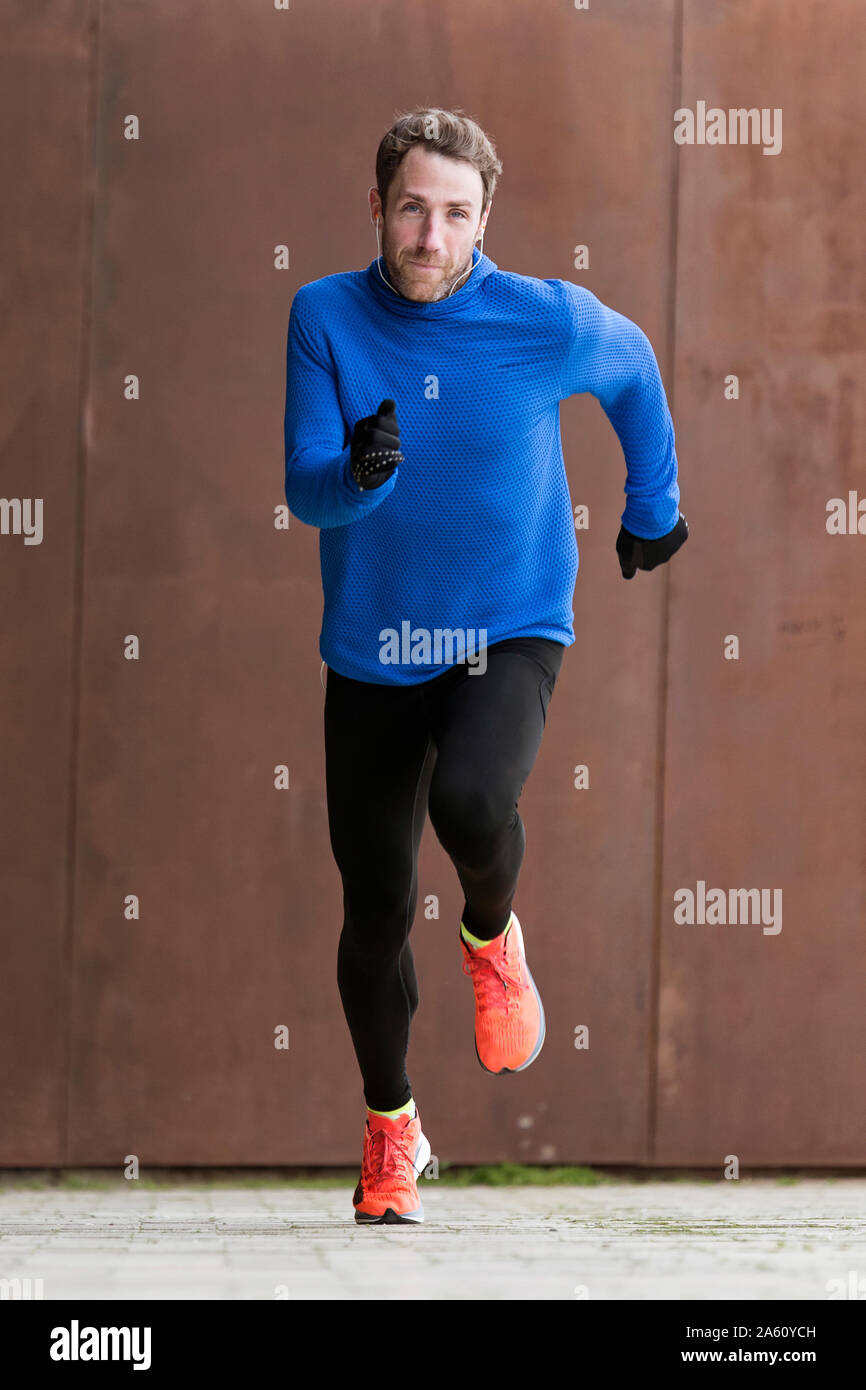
[(407, 1109), (476, 941)]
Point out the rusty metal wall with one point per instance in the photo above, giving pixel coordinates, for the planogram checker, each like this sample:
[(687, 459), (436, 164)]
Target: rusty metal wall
[(762, 1037), (165, 905), (45, 155)]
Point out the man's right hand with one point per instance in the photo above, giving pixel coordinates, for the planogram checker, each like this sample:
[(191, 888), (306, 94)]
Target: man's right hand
[(375, 450)]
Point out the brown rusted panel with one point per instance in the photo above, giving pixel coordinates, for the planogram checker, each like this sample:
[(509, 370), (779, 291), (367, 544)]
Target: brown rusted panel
[(167, 1039), (44, 79), (763, 1035), (260, 127)]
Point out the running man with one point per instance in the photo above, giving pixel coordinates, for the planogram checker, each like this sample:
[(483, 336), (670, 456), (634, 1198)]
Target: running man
[(422, 438)]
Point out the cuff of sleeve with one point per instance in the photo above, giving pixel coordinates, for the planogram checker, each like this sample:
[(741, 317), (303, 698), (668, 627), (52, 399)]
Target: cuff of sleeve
[(641, 524)]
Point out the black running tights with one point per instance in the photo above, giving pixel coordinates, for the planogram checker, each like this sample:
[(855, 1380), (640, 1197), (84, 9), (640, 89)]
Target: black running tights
[(460, 746)]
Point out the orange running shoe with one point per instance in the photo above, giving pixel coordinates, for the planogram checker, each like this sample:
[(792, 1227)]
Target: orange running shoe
[(396, 1152), (509, 1017)]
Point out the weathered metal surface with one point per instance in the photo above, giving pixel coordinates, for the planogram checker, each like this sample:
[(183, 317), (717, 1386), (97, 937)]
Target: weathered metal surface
[(258, 128)]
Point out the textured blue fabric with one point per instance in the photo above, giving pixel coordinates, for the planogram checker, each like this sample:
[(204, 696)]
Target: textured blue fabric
[(475, 529)]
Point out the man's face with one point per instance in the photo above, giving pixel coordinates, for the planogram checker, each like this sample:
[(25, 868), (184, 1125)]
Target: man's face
[(433, 218)]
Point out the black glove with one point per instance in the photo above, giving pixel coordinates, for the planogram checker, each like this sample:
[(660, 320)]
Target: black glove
[(376, 447), (635, 553)]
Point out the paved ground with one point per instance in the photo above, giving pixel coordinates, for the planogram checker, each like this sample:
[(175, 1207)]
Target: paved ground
[(749, 1239)]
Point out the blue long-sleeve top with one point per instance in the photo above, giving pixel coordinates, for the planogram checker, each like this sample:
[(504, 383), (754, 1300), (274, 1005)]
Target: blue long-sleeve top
[(474, 530)]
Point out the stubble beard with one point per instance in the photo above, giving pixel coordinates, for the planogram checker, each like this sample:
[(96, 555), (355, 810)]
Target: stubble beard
[(402, 283)]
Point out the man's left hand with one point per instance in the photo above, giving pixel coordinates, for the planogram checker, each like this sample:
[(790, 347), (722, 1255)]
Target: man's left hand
[(635, 553)]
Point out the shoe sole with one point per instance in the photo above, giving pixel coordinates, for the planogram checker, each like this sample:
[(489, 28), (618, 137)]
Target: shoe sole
[(503, 1071), (390, 1217)]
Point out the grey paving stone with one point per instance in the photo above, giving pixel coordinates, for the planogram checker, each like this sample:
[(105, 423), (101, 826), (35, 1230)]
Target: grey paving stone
[(753, 1239)]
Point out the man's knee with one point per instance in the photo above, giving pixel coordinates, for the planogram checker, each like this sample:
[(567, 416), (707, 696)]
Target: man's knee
[(376, 908), (468, 817)]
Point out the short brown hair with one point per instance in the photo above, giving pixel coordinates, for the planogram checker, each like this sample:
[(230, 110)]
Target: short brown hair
[(451, 133)]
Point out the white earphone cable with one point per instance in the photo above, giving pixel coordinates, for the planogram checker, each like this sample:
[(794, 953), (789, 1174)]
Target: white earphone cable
[(456, 282)]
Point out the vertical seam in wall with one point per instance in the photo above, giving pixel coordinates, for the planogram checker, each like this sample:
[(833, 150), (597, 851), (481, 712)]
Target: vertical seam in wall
[(670, 365), (89, 175)]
